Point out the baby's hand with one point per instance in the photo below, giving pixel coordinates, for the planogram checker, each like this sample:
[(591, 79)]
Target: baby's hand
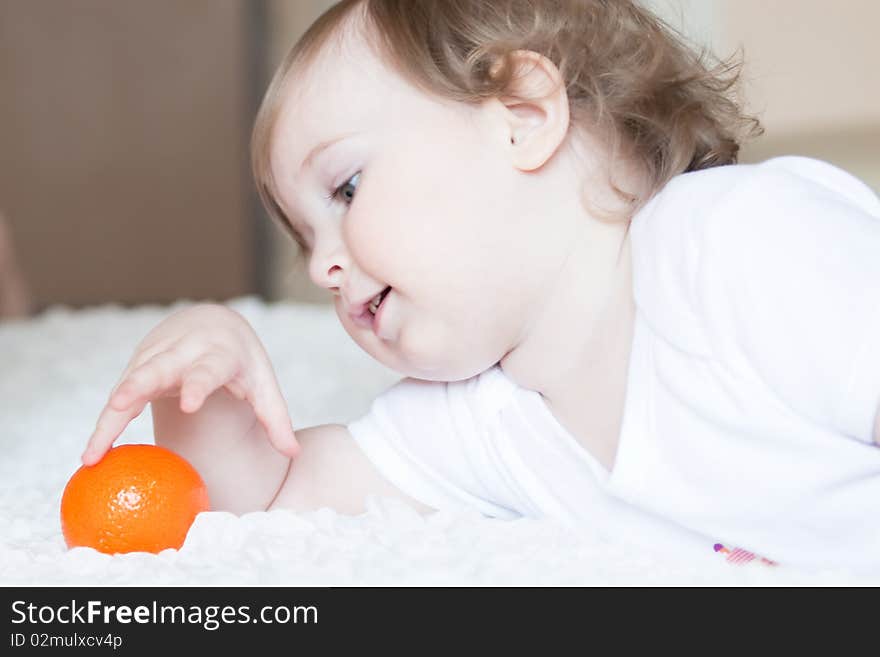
[(190, 354)]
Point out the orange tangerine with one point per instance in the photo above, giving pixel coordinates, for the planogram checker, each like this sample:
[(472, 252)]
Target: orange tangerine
[(138, 498)]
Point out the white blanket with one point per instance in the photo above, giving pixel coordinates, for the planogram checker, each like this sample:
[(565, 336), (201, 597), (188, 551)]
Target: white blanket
[(57, 369)]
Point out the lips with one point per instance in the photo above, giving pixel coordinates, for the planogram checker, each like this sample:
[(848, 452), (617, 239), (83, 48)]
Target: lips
[(356, 309), (380, 313), (361, 315), (381, 298)]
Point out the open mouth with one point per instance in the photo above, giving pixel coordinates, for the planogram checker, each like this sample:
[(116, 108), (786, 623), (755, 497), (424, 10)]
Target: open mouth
[(377, 301)]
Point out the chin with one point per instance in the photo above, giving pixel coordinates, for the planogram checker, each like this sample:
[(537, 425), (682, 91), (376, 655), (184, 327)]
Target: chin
[(421, 361), (438, 369)]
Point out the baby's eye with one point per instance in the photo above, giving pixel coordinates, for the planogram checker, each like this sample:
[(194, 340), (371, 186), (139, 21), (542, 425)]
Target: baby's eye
[(346, 190)]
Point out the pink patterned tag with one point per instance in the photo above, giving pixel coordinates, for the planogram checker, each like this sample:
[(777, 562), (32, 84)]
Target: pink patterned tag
[(740, 557)]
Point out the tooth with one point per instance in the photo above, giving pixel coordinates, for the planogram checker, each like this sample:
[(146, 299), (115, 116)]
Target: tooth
[(374, 302)]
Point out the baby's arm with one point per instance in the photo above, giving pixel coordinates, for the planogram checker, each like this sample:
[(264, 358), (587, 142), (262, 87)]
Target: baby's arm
[(216, 402), (228, 446), (332, 471)]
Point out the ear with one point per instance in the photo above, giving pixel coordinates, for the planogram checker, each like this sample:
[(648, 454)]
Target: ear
[(534, 110)]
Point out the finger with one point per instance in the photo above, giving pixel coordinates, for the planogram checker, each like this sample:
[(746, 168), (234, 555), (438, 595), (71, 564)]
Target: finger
[(145, 382), (272, 413), (112, 420), (238, 390), (203, 378), (110, 424), (270, 406), (186, 351), (141, 355)]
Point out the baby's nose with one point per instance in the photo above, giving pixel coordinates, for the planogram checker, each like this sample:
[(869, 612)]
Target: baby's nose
[(326, 271)]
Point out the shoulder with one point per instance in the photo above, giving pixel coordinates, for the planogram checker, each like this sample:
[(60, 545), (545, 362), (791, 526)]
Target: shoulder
[(689, 200), (667, 237), (712, 224), (786, 197), (477, 398), (787, 211), (787, 258), (816, 179)]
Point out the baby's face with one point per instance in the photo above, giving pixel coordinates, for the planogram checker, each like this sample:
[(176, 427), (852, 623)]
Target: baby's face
[(430, 206)]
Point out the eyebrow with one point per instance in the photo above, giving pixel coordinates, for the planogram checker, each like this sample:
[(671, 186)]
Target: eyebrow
[(321, 147)]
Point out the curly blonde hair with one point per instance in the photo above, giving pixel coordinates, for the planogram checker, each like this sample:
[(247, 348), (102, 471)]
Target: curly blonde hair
[(630, 77)]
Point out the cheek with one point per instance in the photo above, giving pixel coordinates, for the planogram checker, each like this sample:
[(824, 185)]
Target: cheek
[(439, 226), (403, 224), (439, 208)]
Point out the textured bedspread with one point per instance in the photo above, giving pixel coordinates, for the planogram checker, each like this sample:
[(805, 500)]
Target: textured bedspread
[(56, 371)]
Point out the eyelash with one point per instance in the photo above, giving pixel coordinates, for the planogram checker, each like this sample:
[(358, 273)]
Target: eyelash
[(335, 192), (330, 197)]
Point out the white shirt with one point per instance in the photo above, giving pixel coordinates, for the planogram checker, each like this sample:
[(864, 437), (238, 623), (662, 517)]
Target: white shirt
[(753, 383)]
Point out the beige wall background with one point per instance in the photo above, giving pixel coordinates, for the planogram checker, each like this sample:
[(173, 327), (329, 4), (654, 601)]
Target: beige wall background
[(124, 168), (810, 75), (123, 149)]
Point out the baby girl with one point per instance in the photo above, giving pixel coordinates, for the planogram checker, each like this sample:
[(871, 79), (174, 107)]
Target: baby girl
[(533, 212)]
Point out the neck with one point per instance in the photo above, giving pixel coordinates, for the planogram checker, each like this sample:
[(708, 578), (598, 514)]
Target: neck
[(577, 344)]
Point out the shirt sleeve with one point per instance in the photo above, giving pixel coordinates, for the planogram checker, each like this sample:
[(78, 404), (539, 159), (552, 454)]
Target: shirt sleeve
[(427, 438), (791, 274)]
